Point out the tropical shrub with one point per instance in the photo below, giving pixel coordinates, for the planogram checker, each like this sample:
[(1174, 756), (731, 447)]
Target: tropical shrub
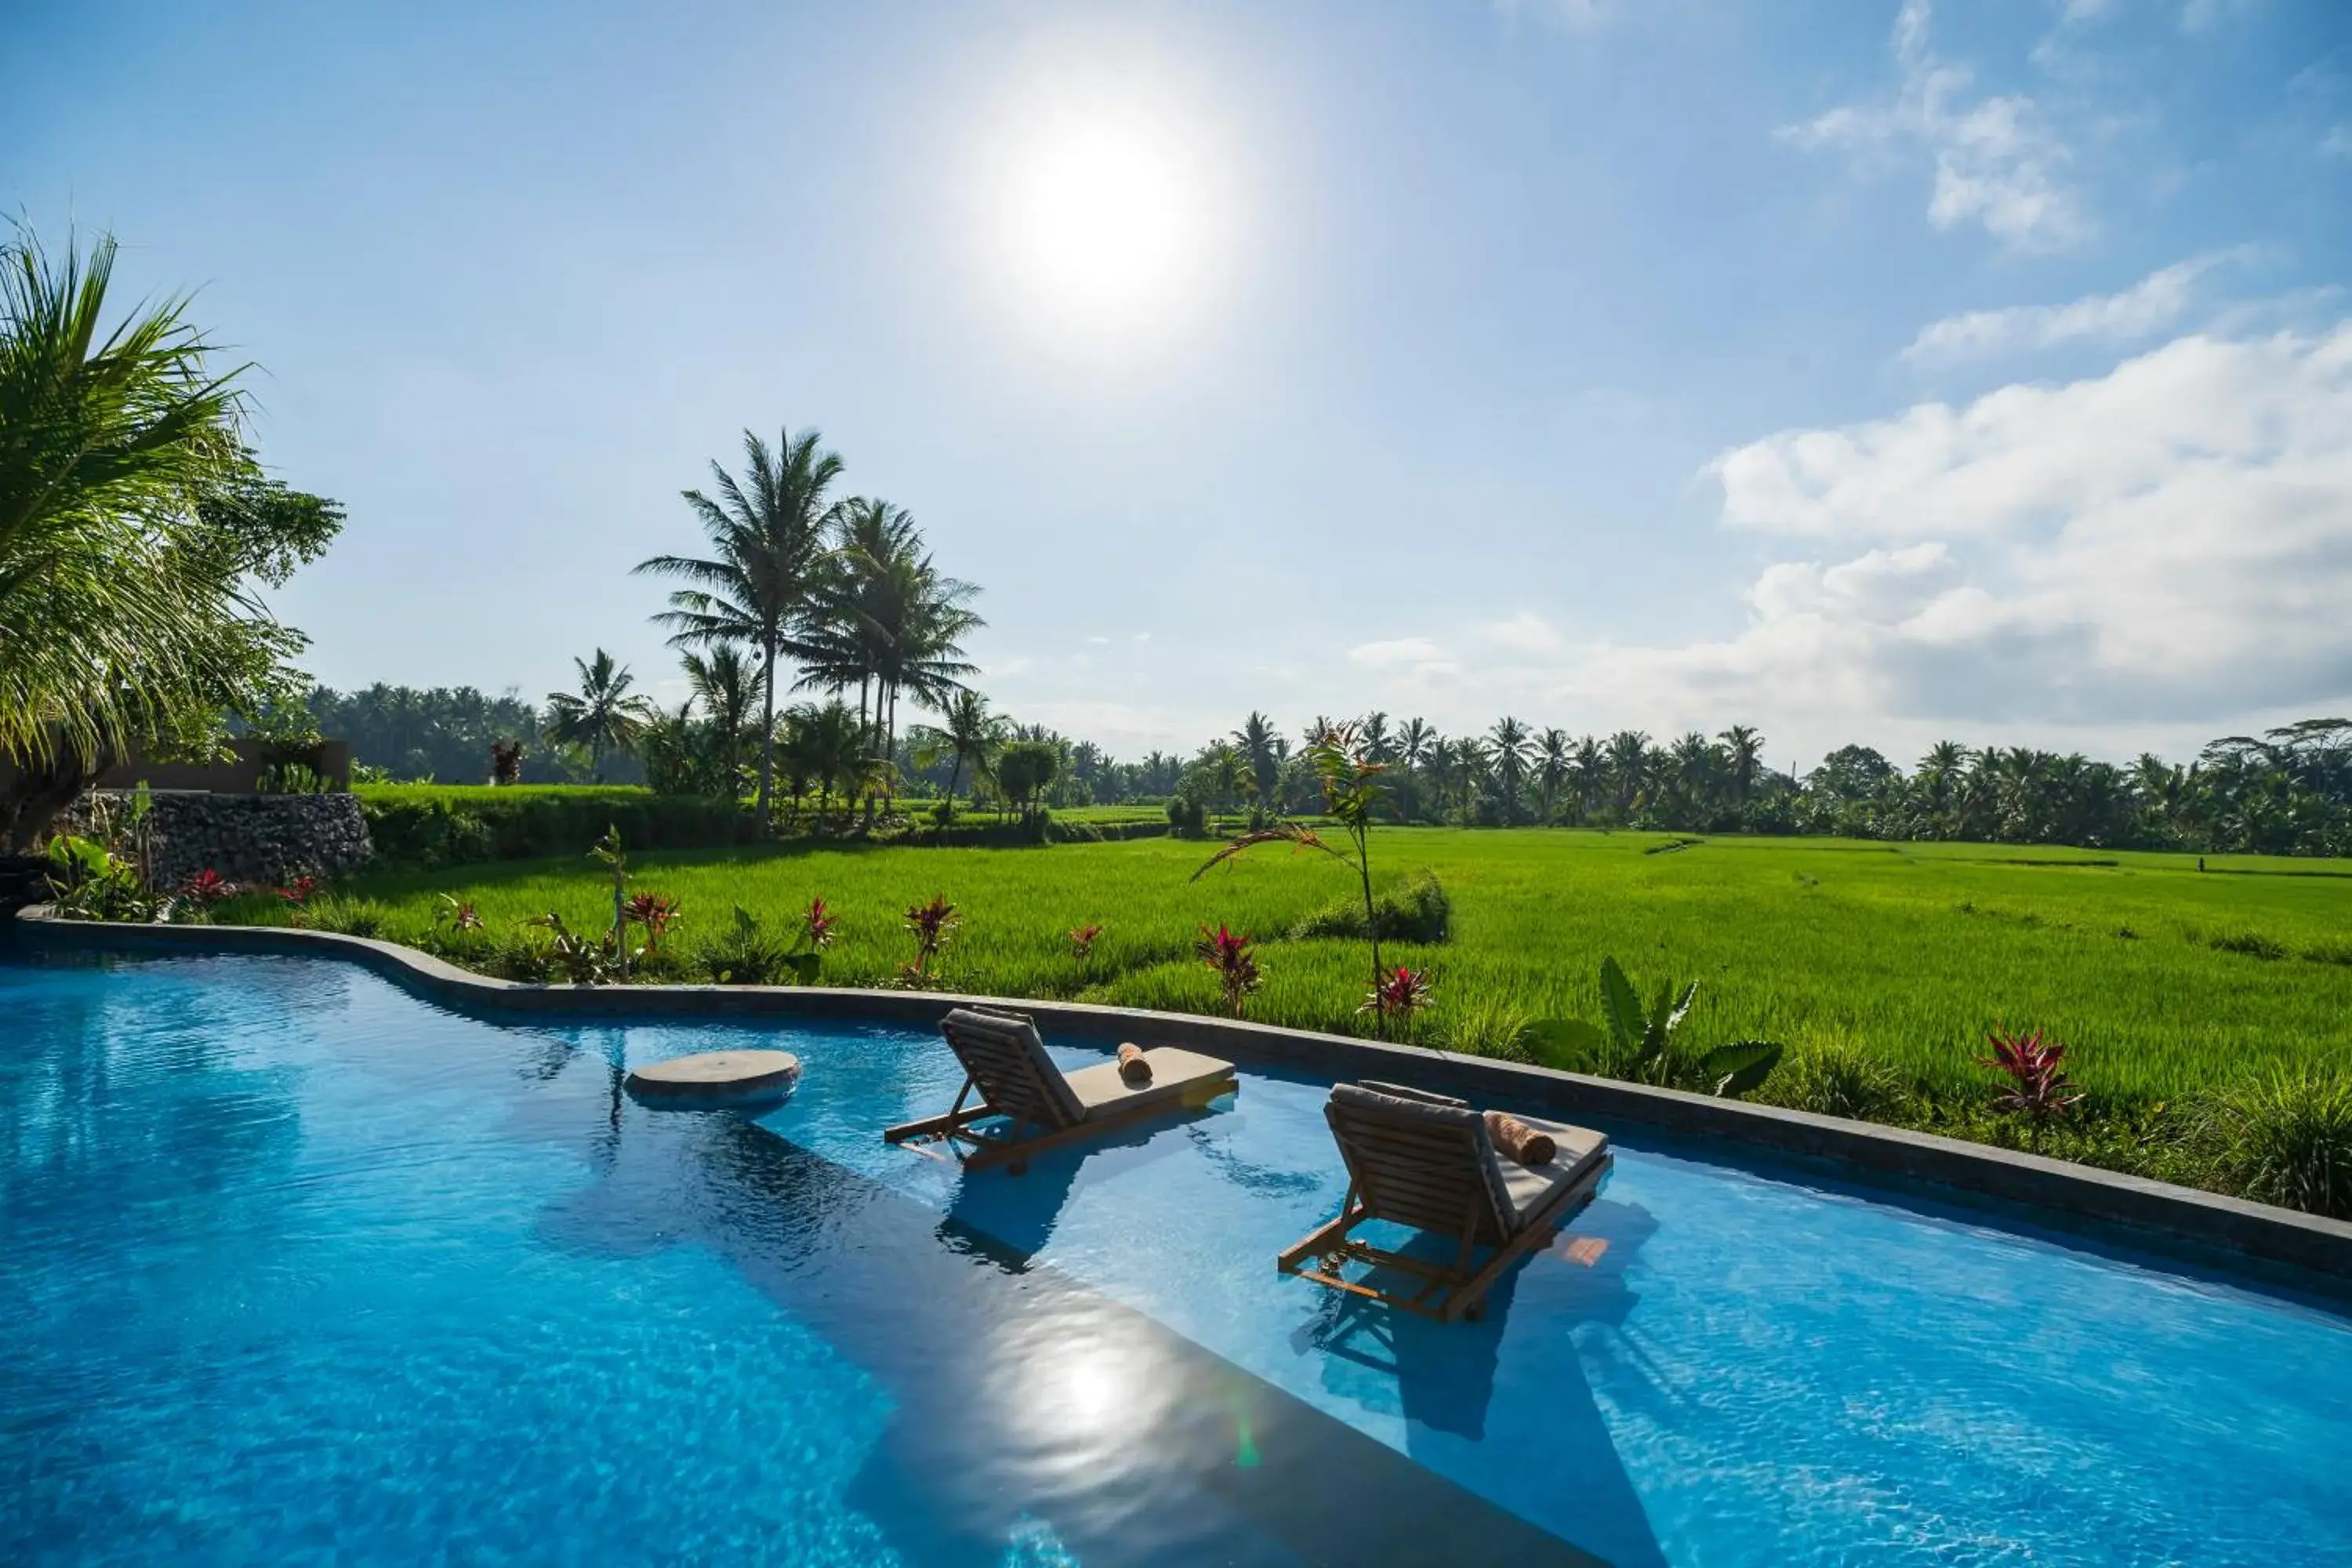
[(1417, 910), (1230, 956), (425, 825), (1398, 997), (1836, 1079), (2286, 1138), (2034, 1065), (1642, 1044), (89, 881), (933, 925)]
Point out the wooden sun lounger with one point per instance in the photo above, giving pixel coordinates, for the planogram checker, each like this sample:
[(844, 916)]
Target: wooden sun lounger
[(1005, 1061), (1425, 1160)]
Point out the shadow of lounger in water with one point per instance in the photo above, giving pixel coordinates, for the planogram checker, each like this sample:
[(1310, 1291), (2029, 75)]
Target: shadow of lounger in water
[(1021, 1396)]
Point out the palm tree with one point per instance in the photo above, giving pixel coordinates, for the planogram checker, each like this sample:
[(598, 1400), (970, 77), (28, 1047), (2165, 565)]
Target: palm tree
[(1469, 759), (1413, 750), (1588, 767), (1743, 752), (726, 686), (1628, 754), (1552, 763), (114, 620), (768, 549), (602, 715), (1506, 753), (1375, 734), (826, 746), (967, 731), (886, 620), (1256, 740)]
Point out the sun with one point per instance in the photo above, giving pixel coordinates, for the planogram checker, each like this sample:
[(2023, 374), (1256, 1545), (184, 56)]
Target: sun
[(1108, 221)]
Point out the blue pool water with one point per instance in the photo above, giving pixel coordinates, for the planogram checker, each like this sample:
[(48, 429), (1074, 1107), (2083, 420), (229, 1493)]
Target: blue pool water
[(298, 1269)]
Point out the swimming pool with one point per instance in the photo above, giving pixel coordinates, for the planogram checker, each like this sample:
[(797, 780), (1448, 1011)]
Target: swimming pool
[(301, 1268)]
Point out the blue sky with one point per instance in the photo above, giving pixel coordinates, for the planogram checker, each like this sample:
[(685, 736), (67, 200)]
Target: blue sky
[(1860, 371)]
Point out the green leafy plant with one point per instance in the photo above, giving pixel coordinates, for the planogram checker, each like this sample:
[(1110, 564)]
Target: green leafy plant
[(88, 882), (1351, 797), (1838, 1079), (582, 959), (747, 956), (607, 852), (1640, 1043), (2286, 1138), (1418, 911)]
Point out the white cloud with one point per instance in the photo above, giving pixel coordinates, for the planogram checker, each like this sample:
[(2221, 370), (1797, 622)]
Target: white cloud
[(2206, 15), (2148, 307), (2144, 558), (1527, 633), (1420, 655), (1995, 160)]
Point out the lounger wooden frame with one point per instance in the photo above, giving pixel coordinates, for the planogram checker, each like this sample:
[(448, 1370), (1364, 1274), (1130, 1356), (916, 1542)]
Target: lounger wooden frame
[(1010, 1082), (1430, 1178)]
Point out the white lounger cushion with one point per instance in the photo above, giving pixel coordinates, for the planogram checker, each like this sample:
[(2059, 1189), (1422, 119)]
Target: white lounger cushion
[(1100, 1091), (1580, 1149)]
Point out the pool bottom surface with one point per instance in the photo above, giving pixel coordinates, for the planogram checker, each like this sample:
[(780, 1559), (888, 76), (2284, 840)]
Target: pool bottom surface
[(302, 1268)]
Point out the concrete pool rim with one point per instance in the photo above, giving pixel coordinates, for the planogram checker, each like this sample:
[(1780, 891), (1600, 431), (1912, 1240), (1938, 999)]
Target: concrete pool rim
[(2236, 1228)]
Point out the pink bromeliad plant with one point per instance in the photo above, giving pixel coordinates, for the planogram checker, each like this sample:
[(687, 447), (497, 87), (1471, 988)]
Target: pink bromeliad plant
[(1228, 953)]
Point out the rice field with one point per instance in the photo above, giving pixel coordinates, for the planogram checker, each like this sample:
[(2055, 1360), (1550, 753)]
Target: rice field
[(2161, 979)]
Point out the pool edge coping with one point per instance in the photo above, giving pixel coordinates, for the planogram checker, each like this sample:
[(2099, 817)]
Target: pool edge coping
[(2258, 1231)]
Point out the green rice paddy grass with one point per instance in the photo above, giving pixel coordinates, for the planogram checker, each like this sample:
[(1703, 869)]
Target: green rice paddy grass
[(2161, 979)]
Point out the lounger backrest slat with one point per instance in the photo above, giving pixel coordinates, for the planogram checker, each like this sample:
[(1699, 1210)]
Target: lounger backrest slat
[(1425, 1165), (1007, 1060)]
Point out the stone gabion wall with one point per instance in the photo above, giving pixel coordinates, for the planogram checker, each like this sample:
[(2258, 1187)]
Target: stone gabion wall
[(263, 839)]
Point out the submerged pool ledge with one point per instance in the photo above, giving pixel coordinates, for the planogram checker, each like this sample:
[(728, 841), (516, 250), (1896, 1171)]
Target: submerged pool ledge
[(2206, 1220)]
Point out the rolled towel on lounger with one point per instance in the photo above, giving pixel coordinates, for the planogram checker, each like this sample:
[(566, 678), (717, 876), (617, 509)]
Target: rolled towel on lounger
[(1519, 1141), (1132, 1064)]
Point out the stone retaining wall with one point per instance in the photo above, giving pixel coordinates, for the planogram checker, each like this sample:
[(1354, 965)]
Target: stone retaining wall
[(266, 839)]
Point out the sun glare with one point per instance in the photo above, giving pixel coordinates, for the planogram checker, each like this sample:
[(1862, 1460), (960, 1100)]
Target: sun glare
[(1108, 220)]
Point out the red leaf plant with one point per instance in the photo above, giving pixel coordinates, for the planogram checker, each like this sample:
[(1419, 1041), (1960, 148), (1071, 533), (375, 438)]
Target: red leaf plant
[(299, 891), (2034, 1065), (932, 924), (655, 911), (1082, 941), (206, 888), (1399, 996), (820, 925), (1228, 953)]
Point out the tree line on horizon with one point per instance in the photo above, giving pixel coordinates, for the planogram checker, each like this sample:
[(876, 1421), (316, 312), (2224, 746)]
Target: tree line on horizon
[(2287, 791)]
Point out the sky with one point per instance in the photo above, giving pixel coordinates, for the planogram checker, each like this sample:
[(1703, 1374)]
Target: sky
[(1873, 373)]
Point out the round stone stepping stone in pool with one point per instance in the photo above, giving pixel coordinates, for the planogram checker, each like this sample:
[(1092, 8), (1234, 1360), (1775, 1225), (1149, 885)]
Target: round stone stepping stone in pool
[(716, 1081)]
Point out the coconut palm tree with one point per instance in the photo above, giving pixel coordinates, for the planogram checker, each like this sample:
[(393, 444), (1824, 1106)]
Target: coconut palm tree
[(1743, 753), (768, 544), (1551, 765), (1257, 743), (602, 715), (727, 687), (1374, 733), (1507, 753), (1628, 761), (131, 517), (968, 732)]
